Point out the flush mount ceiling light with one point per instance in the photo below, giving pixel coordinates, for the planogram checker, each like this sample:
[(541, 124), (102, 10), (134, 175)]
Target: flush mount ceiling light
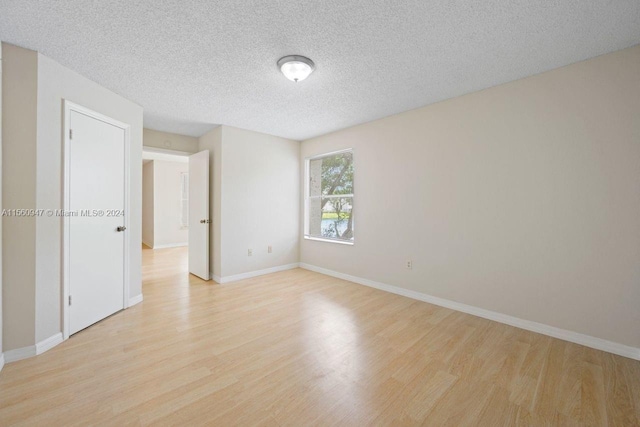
[(295, 67)]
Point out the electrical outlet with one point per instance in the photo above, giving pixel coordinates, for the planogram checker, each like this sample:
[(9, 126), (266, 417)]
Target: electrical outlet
[(249, 252), (408, 264), (269, 249)]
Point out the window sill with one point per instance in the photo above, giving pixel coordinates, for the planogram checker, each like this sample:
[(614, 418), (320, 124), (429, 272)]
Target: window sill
[(319, 239)]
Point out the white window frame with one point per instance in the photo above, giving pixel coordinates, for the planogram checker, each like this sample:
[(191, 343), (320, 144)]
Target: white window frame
[(307, 198)]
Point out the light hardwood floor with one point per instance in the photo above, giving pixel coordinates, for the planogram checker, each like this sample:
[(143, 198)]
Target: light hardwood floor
[(299, 348)]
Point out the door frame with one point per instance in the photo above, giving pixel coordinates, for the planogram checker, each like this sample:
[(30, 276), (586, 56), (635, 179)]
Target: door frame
[(68, 107)]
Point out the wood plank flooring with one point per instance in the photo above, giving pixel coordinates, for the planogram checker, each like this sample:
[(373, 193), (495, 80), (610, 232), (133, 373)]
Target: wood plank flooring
[(299, 348)]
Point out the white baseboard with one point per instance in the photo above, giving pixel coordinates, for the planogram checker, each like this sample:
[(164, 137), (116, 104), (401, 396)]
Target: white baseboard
[(250, 274), (19, 353), (1, 361), (215, 278), (49, 343), (135, 300), (170, 245), (552, 331), (33, 350)]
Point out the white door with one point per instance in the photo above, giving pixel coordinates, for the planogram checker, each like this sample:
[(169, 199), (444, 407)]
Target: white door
[(199, 221), (96, 201)]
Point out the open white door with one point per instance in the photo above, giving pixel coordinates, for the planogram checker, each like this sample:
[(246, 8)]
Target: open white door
[(199, 221)]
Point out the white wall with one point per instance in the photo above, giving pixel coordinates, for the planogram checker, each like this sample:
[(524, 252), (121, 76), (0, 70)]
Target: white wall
[(161, 206), (169, 141), (167, 230), (33, 178), (147, 204), (255, 200), (522, 199)]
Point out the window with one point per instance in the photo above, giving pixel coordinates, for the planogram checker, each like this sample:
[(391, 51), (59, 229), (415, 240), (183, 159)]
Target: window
[(184, 199), (329, 197)]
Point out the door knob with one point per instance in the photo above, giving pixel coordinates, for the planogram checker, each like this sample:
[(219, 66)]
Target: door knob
[(205, 221), (121, 228)]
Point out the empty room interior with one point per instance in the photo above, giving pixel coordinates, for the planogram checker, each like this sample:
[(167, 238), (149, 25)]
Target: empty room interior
[(343, 213)]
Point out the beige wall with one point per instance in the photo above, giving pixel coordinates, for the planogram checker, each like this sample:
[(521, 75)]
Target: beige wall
[(255, 200), (1, 355), (260, 200), (33, 178), (523, 199), (19, 91), (170, 141), (56, 83), (147, 204), (167, 230)]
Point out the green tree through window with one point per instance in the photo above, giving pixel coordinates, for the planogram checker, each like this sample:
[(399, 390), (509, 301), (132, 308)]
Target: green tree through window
[(330, 196)]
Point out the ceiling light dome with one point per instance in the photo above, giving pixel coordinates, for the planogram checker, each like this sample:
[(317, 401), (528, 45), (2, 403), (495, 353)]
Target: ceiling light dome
[(295, 67)]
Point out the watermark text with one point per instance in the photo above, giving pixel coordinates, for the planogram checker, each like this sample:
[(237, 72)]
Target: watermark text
[(63, 213)]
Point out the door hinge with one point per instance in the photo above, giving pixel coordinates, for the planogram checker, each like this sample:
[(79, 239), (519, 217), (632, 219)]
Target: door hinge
[(70, 133), (69, 299)]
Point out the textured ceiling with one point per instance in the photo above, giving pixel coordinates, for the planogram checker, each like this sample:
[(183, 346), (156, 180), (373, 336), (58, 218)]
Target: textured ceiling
[(195, 64)]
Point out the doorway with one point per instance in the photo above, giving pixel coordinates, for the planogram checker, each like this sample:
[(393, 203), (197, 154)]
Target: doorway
[(175, 210)]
